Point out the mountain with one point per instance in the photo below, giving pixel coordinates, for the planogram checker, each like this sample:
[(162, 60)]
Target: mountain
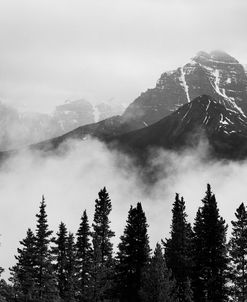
[(216, 74), (225, 129), (22, 128), (104, 130)]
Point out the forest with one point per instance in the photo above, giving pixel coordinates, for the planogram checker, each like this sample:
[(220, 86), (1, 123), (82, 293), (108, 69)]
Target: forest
[(197, 262)]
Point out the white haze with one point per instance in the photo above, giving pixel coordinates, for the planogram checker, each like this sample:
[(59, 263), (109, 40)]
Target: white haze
[(71, 183), (68, 49)]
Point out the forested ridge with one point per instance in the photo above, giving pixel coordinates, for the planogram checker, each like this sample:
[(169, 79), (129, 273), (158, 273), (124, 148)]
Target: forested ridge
[(196, 263)]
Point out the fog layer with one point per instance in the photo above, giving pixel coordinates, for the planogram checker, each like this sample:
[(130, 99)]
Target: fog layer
[(71, 183)]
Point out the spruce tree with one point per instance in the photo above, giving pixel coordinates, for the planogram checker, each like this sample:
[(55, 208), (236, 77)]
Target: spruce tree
[(98, 284), (6, 292), (178, 251), (157, 285), (59, 252), (103, 247), (133, 255), (101, 225), (238, 255), (210, 254), (70, 269), (83, 258), (46, 290), (23, 273), (198, 283)]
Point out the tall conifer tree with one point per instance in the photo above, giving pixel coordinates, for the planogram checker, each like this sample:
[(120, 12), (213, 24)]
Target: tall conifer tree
[(133, 255), (102, 245), (59, 252), (46, 289), (178, 251), (83, 258), (238, 255), (210, 254), (157, 284), (71, 269), (101, 225), (23, 273)]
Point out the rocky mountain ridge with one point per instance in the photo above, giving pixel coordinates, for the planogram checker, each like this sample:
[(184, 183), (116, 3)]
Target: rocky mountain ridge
[(224, 129), (216, 77), (22, 128), (217, 74)]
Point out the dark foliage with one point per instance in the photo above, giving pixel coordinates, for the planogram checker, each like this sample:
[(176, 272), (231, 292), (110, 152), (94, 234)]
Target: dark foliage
[(24, 270), (103, 263), (210, 253), (133, 255), (238, 255), (195, 266), (84, 257), (157, 282), (178, 251), (45, 279)]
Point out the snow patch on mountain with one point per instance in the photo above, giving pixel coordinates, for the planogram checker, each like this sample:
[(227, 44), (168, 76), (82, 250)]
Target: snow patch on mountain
[(184, 84), (222, 91)]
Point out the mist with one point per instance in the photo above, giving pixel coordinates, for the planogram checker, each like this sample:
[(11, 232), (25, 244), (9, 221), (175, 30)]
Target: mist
[(53, 51), (71, 182)]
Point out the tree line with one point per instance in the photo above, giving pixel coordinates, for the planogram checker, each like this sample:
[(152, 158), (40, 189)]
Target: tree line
[(196, 263)]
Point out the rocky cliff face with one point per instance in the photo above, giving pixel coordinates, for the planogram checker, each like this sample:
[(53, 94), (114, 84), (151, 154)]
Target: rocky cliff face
[(204, 117), (216, 74)]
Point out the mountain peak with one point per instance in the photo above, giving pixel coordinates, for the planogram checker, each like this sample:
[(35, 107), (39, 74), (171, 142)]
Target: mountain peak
[(217, 56), (214, 73), (222, 56)]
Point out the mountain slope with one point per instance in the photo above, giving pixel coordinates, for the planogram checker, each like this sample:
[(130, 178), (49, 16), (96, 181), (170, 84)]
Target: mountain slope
[(216, 74), (203, 118), (104, 130), (224, 128), (22, 128)]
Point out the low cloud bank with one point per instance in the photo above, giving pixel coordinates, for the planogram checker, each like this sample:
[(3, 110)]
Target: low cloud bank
[(70, 184)]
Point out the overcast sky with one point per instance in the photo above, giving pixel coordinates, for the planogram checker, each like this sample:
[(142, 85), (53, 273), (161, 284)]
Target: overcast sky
[(54, 50)]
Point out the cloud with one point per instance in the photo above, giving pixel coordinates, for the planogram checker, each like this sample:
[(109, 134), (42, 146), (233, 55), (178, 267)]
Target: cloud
[(71, 182), (68, 49)]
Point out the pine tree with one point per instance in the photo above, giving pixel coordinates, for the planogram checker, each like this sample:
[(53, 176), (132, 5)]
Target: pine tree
[(133, 255), (238, 255), (101, 225), (23, 273), (158, 285), (59, 252), (70, 269), (198, 283), (98, 283), (83, 258), (178, 251), (6, 291), (46, 290), (210, 254), (102, 235)]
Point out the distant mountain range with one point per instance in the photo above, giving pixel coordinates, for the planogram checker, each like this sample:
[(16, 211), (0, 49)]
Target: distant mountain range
[(207, 96), (22, 128)]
